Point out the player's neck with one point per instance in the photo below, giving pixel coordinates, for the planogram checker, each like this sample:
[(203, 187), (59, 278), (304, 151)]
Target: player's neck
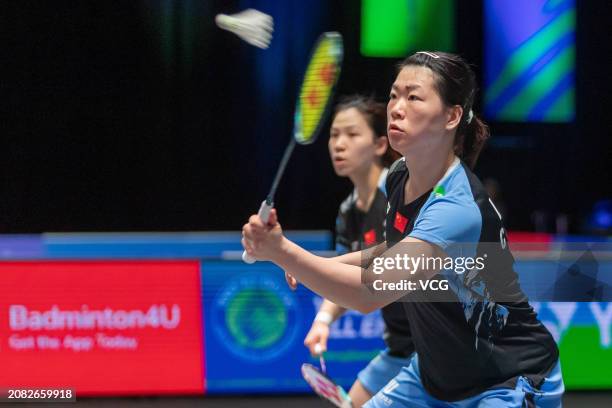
[(366, 184), (424, 172)]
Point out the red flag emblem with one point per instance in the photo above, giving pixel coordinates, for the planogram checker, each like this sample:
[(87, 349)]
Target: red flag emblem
[(369, 238), (400, 222)]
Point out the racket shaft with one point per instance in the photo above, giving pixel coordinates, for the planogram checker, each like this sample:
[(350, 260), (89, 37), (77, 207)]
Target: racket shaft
[(281, 169)]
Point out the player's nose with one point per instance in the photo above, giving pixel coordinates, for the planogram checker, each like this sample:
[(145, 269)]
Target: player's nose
[(340, 143)]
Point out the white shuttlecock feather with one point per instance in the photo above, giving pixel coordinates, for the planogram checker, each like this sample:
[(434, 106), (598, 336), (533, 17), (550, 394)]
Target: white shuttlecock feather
[(251, 25)]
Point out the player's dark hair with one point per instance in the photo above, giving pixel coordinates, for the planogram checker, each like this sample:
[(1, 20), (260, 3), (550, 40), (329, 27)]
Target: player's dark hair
[(456, 84), (375, 115)]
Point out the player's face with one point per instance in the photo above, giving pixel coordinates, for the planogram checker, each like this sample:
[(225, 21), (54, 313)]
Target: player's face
[(352, 145), (416, 116)]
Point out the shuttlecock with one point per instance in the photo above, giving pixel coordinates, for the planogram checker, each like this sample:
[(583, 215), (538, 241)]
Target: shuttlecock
[(251, 25)]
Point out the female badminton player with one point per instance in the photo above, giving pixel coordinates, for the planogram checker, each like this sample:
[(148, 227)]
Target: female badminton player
[(486, 347), (359, 150)]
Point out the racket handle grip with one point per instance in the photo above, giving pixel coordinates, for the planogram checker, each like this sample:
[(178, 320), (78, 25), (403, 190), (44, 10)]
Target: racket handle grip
[(318, 349), (264, 215), (264, 211)]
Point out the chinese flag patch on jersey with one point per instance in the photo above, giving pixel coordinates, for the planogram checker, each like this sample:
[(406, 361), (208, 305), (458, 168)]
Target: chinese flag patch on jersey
[(400, 222), (369, 238)]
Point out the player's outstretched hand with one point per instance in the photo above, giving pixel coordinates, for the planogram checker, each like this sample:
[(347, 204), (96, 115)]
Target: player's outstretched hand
[(262, 241), (316, 339)]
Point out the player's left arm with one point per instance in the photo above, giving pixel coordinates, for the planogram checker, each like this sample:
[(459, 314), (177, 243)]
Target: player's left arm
[(352, 286), (347, 285), (356, 258)]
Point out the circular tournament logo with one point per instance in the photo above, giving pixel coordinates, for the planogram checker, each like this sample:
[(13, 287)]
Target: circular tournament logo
[(255, 316)]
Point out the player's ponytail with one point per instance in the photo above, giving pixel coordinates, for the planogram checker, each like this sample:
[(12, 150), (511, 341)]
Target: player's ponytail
[(470, 140)]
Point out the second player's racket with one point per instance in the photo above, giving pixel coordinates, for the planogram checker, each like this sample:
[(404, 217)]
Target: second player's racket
[(313, 104), (325, 387)]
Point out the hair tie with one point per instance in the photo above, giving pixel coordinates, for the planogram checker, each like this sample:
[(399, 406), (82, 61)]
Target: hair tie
[(431, 54), (470, 116)]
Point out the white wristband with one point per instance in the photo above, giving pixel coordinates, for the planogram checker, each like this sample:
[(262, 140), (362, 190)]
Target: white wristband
[(324, 317)]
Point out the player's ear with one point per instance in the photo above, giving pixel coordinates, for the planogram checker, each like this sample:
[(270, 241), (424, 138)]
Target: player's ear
[(453, 117), (382, 144)]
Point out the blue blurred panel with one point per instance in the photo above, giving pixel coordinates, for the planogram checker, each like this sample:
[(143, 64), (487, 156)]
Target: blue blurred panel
[(581, 278), (162, 245), (530, 60), (563, 315), (21, 246), (276, 75), (255, 328)]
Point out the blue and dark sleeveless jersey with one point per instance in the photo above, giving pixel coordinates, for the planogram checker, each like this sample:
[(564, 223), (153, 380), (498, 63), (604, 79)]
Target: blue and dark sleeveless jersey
[(485, 334), (356, 230)]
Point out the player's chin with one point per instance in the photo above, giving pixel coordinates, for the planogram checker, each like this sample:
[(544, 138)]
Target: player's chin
[(400, 143), (342, 169), (396, 138)]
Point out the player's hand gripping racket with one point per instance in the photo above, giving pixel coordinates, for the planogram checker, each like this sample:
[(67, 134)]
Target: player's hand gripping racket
[(324, 386), (313, 103)]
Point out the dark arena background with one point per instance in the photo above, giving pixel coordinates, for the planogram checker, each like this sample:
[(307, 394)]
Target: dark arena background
[(138, 137)]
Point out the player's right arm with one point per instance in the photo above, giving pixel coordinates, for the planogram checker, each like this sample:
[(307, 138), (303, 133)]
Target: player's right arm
[(319, 331)]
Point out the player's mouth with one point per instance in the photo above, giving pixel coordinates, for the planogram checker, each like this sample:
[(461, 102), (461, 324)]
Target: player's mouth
[(394, 129)]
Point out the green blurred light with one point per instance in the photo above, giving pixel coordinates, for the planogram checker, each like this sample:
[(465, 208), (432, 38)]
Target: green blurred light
[(395, 28), (585, 362)]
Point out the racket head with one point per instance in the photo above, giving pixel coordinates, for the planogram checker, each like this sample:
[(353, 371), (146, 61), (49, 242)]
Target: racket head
[(318, 86), (325, 387)]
